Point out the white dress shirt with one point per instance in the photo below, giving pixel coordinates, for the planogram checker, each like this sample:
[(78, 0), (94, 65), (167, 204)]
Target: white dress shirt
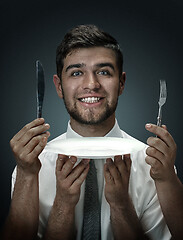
[(141, 189)]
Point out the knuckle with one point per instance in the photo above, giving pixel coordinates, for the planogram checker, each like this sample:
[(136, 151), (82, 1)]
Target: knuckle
[(74, 174), (147, 159), (12, 143), (165, 134), (14, 148), (155, 164), (147, 150), (35, 121), (149, 140), (22, 156), (30, 132), (153, 141), (79, 182), (42, 144), (152, 151), (35, 153), (34, 140), (156, 142), (26, 127)]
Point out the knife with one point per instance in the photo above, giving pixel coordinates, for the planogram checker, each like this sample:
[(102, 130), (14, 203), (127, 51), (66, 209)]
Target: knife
[(40, 87)]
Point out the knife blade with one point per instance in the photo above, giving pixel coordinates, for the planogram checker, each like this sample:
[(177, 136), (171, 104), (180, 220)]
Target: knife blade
[(40, 87)]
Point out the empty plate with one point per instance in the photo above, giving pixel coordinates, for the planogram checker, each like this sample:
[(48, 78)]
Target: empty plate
[(94, 147)]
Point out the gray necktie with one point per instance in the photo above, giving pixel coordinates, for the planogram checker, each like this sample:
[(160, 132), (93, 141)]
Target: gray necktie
[(91, 220)]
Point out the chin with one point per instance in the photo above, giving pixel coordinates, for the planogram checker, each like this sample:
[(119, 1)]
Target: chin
[(92, 119), (91, 116)]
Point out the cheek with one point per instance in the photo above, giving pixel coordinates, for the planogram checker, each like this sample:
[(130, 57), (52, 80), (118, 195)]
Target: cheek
[(69, 88), (112, 89)]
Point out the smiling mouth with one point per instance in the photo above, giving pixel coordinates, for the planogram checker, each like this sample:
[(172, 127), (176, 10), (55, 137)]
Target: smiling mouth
[(90, 99)]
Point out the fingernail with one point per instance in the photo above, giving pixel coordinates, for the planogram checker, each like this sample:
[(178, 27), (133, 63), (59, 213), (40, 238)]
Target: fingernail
[(47, 125), (85, 161), (109, 161), (73, 159), (117, 158), (41, 119), (148, 125), (60, 157)]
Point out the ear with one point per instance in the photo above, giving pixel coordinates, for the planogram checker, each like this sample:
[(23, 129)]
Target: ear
[(58, 86), (122, 82)]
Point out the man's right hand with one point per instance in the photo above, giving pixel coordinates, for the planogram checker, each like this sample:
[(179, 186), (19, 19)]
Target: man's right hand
[(28, 143), (70, 179)]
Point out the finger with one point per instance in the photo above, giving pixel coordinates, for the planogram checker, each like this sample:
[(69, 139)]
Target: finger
[(158, 144), (123, 165), (120, 164), (108, 178), (68, 166), (113, 169), (154, 163), (161, 133), (34, 123), (80, 179), (32, 132), (153, 152), (34, 142), (60, 162), (76, 172), (128, 161), (38, 148), (164, 127)]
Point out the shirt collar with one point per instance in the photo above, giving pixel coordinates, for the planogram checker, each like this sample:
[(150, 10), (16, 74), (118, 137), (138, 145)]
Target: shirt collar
[(114, 132)]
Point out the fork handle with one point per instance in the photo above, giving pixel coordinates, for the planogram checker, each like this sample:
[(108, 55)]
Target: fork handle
[(159, 118), (159, 121)]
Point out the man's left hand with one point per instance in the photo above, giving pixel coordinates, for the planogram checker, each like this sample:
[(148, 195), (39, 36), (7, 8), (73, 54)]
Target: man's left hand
[(161, 153), (117, 174)]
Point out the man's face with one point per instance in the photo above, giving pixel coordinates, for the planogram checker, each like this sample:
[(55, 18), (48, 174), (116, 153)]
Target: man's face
[(91, 84)]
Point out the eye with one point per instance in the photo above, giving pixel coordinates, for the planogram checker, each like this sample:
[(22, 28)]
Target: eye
[(76, 73), (104, 72)]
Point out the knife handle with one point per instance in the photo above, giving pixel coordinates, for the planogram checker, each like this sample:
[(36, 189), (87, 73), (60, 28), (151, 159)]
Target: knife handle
[(39, 111)]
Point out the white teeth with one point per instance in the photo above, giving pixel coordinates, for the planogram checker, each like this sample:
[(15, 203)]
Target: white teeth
[(90, 99)]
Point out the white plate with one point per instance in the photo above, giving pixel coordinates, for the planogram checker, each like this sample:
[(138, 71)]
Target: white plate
[(95, 147)]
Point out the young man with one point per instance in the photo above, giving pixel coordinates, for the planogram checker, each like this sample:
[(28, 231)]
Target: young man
[(49, 189)]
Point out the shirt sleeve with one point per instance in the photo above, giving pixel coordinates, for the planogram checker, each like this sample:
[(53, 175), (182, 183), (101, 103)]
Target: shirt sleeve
[(153, 221), (144, 196)]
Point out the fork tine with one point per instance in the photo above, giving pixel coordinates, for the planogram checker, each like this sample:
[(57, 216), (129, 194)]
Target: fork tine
[(163, 91)]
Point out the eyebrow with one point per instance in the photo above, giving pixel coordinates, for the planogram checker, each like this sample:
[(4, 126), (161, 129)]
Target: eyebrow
[(77, 65), (99, 65), (107, 64)]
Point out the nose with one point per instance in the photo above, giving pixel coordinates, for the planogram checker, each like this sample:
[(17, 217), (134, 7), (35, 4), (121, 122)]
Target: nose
[(91, 82)]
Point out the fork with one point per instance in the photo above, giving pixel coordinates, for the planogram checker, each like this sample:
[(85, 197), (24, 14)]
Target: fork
[(162, 100)]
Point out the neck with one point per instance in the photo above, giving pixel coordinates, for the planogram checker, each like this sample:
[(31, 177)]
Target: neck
[(94, 130)]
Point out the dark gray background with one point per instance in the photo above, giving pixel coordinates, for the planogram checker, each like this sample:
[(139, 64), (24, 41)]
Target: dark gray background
[(150, 35)]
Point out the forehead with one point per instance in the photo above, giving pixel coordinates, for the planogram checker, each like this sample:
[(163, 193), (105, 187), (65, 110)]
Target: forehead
[(90, 56)]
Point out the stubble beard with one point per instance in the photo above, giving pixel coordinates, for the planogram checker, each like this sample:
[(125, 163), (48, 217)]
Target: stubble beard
[(88, 116)]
